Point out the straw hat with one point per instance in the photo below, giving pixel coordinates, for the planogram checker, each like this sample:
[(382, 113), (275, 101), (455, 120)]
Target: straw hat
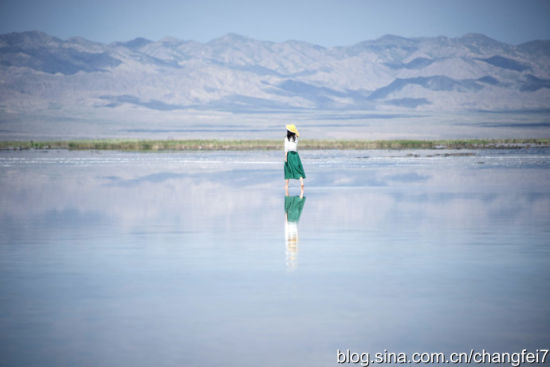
[(292, 129)]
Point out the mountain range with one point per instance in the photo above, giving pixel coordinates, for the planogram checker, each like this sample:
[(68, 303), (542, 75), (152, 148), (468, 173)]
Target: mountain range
[(238, 73), (42, 74)]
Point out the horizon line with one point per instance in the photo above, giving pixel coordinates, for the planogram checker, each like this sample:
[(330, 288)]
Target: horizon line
[(237, 35)]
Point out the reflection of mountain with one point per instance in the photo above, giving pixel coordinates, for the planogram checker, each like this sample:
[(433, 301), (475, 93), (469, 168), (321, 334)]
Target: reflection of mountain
[(234, 73), (293, 210)]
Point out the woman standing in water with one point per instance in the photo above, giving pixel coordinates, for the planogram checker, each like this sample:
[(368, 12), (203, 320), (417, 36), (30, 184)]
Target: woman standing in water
[(293, 164)]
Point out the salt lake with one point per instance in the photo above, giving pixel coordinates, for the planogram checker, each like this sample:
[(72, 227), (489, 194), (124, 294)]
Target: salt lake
[(199, 258)]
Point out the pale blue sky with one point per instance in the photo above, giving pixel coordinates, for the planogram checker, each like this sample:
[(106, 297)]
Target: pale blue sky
[(324, 22)]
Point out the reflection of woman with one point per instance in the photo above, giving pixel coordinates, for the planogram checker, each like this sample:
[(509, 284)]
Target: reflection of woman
[(293, 164), (293, 210)]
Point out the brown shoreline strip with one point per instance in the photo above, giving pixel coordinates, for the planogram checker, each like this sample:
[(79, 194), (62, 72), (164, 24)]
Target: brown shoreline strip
[(181, 145)]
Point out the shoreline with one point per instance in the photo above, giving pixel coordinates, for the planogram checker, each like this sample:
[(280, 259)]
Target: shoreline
[(306, 144)]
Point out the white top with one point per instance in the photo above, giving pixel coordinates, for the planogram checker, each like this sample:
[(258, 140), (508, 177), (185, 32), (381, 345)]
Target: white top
[(291, 146)]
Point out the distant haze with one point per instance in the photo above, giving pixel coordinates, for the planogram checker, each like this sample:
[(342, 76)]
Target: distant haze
[(388, 87), (325, 22)]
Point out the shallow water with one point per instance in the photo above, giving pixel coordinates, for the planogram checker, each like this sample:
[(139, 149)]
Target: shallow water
[(186, 259)]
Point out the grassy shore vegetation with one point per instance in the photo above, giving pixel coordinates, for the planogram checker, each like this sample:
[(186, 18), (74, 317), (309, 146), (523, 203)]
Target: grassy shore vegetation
[(177, 145)]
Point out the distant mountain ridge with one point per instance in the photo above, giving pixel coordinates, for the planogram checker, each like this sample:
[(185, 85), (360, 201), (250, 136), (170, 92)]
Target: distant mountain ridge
[(238, 74)]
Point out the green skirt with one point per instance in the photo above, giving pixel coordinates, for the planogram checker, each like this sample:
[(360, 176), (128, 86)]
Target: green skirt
[(293, 166), (293, 207)]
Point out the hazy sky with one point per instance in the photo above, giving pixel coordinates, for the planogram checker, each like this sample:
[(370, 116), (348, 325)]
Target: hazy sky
[(324, 22)]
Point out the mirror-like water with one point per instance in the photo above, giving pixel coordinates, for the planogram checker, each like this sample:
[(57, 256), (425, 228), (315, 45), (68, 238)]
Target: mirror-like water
[(199, 259)]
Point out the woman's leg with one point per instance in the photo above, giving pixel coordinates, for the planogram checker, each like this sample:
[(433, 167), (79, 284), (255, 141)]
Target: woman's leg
[(286, 187), (302, 185)]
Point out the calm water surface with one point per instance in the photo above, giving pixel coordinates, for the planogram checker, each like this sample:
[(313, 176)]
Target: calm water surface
[(198, 259)]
